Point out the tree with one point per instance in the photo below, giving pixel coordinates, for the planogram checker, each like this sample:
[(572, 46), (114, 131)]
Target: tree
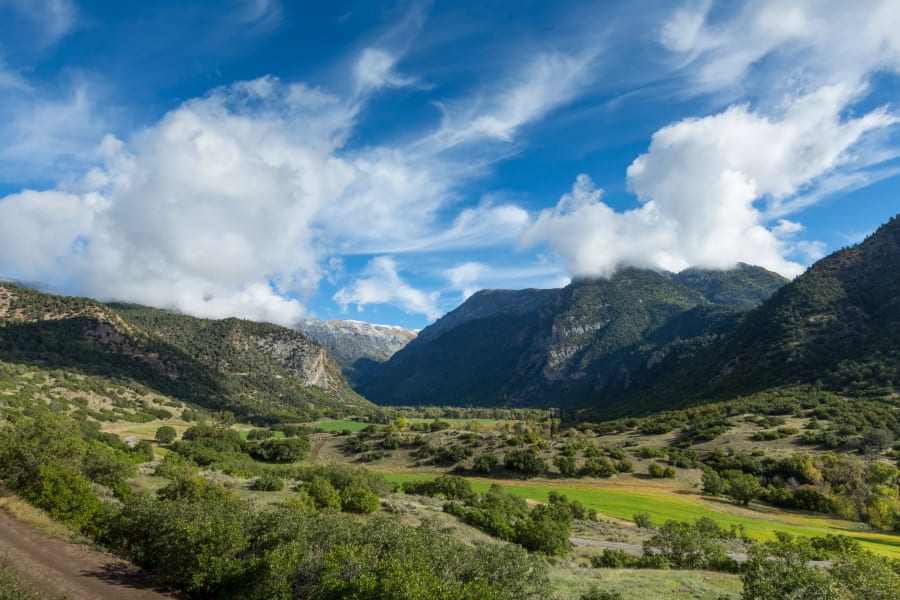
[(685, 546), (743, 487), (547, 529), (863, 575), (780, 569), (525, 461), (224, 419), (566, 465), (323, 493), (712, 483), (166, 434), (485, 463)]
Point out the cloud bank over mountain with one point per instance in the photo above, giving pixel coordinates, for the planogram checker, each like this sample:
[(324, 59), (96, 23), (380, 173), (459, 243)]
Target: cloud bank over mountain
[(264, 196)]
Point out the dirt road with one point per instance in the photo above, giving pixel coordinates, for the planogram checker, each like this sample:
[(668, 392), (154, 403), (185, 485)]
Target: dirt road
[(56, 568)]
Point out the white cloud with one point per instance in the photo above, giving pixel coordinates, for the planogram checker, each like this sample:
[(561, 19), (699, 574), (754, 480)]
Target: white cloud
[(381, 284), (466, 277), (699, 183), (42, 230), (10, 80), (265, 13), (53, 19), (237, 203), (783, 45), (46, 137), (375, 69), (546, 82), (469, 277)]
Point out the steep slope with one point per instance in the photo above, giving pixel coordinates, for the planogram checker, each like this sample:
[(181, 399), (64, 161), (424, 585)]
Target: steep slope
[(582, 344), (250, 368), (838, 323), (350, 342)]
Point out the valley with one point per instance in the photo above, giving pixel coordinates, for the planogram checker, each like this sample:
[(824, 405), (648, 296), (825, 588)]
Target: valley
[(153, 435)]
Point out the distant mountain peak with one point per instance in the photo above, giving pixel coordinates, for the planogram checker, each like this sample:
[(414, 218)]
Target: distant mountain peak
[(350, 341)]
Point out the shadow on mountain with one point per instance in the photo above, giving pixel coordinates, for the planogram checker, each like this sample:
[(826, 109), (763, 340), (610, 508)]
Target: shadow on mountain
[(64, 343)]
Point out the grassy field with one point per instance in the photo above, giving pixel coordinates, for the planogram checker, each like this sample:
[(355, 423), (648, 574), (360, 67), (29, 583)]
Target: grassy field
[(624, 496), (335, 425), (462, 423), (698, 585)]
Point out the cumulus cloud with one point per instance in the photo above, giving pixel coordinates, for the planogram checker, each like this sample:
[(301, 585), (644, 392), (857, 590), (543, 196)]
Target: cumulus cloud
[(699, 184), (380, 283), (47, 136), (237, 203)]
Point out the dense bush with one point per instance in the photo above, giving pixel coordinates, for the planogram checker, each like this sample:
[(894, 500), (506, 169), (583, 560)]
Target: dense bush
[(166, 434), (525, 461), (268, 482)]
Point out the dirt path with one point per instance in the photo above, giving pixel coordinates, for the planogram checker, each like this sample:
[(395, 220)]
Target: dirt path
[(56, 568), (319, 442)]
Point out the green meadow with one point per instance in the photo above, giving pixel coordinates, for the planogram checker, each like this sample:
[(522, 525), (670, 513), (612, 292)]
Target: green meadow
[(622, 498)]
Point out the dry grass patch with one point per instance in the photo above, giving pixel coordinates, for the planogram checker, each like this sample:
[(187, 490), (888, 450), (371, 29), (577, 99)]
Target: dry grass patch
[(21, 510)]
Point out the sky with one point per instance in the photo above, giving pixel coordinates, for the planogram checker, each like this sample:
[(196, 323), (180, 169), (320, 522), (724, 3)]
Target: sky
[(382, 161)]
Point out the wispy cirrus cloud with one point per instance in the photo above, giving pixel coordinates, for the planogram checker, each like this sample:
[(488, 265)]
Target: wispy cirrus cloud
[(51, 19)]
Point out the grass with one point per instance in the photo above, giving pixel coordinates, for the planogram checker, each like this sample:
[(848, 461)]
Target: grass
[(23, 511), (701, 585), (335, 425), (623, 497), (12, 586)]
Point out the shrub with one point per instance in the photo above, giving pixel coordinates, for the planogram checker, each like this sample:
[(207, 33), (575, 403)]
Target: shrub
[(613, 559), (565, 465), (596, 593), (323, 493), (268, 482), (166, 434), (359, 499), (485, 463), (642, 520)]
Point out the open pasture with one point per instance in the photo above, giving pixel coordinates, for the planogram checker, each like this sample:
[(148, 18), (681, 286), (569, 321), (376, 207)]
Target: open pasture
[(624, 496)]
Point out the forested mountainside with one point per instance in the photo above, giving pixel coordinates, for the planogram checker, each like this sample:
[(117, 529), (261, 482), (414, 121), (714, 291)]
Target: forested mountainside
[(589, 342), (837, 324), (229, 364)]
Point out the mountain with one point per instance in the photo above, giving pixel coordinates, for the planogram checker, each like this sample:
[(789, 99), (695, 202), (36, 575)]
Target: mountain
[(246, 367), (837, 324), (355, 344), (589, 342)]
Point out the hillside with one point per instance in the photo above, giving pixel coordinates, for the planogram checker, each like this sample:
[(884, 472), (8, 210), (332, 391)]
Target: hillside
[(231, 364), (837, 324), (586, 343)]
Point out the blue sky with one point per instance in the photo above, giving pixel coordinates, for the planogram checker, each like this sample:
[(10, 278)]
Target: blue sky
[(381, 161)]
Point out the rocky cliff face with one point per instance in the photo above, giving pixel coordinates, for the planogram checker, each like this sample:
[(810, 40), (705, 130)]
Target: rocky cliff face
[(306, 361), (350, 341), (590, 341)]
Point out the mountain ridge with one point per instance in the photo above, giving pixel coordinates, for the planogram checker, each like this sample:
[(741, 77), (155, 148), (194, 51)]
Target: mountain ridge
[(537, 347), (228, 364)]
